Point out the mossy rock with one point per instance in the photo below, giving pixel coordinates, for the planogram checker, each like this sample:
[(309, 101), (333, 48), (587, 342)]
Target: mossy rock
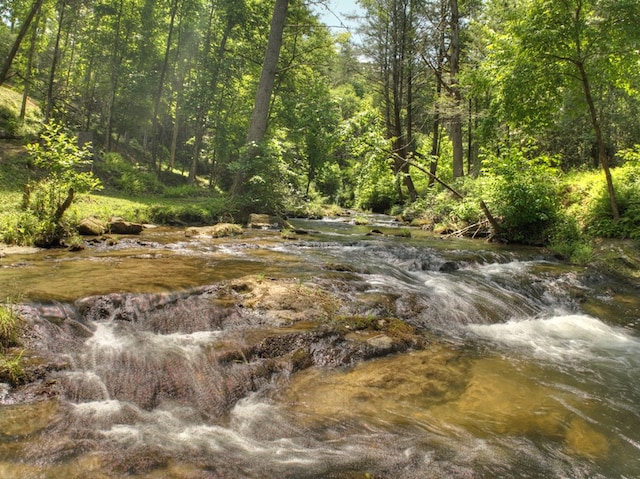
[(92, 226), (219, 230)]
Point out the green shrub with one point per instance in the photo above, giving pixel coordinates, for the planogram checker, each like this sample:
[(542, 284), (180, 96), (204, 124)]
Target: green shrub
[(568, 240), (598, 218), (10, 362), (47, 199), (264, 189), (523, 192), (19, 228), (11, 370), (9, 122)]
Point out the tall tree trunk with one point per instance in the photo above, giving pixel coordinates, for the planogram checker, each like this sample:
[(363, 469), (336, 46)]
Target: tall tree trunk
[(54, 64), (29, 70), (260, 114), (602, 152), (409, 143), (174, 138), (201, 109), (409, 147), (155, 140), (455, 124), (16, 44), (438, 70), (115, 77)]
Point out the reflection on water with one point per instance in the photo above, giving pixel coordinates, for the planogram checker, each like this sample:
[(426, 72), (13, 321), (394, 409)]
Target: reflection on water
[(529, 370), (446, 399)]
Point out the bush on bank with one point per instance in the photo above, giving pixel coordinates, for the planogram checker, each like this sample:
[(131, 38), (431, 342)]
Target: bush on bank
[(533, 201), (537, 204)]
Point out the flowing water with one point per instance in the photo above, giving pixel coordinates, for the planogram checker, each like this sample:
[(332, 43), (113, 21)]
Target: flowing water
[(165, 368)]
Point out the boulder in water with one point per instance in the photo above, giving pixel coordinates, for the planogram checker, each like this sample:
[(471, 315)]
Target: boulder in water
[(262, 221), (119, 226), (92, 226), (219, 230)]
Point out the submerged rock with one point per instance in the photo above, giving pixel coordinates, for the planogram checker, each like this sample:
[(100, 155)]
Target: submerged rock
[(230, 339)]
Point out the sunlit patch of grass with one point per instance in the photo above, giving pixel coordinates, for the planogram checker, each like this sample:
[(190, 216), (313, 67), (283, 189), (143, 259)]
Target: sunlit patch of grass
[(10, 362), (10, 324), (11, 369)]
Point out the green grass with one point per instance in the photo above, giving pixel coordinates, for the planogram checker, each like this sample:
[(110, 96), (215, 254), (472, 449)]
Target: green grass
[(178, 209), (156, 209), (11, 369), (10, 324), (10, 105)]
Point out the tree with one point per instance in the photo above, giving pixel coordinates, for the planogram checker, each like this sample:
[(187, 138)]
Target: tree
[(163, 73), (49, 198), (260, 114), (206, 91), (35, 8), (454, 89), (551, 49), (442, 50), (390, 36)]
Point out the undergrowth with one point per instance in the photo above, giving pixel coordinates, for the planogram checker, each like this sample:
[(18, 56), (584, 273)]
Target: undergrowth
[(11, 369)]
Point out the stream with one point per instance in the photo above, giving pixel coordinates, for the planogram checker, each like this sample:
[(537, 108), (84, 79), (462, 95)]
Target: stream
[(336, 354)]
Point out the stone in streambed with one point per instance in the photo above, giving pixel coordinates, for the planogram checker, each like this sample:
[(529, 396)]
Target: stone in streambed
[(92, 226), (219, 230), (119, 226)]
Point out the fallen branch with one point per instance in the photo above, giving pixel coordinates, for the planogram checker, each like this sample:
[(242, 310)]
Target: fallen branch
[(462, 232), (485, 209)]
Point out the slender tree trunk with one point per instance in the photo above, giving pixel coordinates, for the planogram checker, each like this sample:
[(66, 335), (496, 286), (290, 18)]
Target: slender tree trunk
[(602, 153), (155, 140), (409, 143), (455, 125), (470, 137), (409, 147), (215, 73), (174, 139), (260, 114), (201, 107), (29, 70), (179, 96), (439, 67), (16, 44), (54, 64), (115, 77)]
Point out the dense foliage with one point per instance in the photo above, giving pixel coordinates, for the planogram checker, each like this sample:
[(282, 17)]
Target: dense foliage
[(529, 107), (45, 201)]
